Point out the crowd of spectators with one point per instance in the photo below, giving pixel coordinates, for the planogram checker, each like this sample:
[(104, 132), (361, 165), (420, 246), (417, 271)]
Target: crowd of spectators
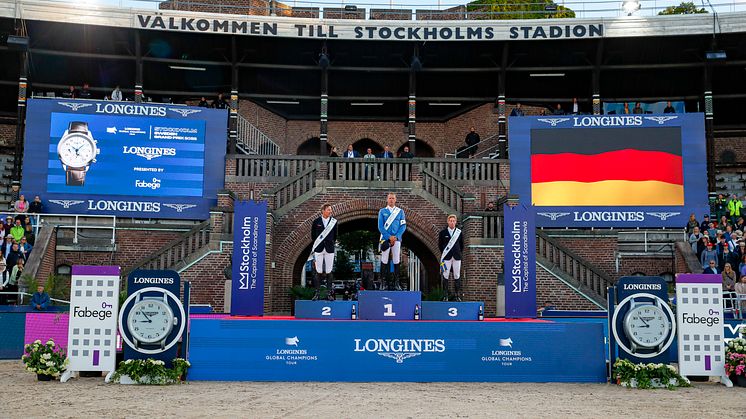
[(18, 242)]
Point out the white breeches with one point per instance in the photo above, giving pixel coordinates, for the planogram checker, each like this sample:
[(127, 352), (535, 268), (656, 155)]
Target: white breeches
[(395, 251), (456, 268), (324, 262)]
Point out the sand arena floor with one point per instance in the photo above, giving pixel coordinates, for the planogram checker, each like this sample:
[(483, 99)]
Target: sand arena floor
[(21, 396)]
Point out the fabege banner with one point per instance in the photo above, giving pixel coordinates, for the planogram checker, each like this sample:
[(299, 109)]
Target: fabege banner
[(249, 244), (92, 329), (520, 261)]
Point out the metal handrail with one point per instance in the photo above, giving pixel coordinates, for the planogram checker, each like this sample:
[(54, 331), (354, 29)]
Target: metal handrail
[(76, 226), (23, 294), (252, 140)]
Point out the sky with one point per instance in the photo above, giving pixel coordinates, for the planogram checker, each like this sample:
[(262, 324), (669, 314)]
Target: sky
[(590, 8)]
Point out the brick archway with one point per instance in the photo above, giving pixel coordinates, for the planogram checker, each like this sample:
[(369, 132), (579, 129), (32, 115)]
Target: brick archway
[(421, 237)]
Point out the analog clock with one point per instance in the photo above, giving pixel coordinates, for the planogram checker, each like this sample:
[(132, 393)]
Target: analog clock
[(151, 320), (646, 326)]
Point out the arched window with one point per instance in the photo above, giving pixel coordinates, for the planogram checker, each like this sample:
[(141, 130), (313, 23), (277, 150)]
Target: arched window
[(422, 149), (310, 147)]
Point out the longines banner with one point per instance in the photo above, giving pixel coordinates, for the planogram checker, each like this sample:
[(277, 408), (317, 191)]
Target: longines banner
[(396, 351), (610, 170), (124, 159), (370, 30), (249, 245), (520, 261), (92, 330)]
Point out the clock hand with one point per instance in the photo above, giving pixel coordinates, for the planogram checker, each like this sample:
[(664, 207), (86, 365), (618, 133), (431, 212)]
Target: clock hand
[(147, 317)]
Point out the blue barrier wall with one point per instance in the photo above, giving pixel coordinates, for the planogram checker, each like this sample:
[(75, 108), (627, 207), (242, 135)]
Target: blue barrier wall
[(12, 329), (256, 350)]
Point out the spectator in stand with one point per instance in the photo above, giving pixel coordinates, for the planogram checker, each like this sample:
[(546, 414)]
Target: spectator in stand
[(490, 207), (70, 93), (694, 238), (543, 112), (702, 245), (36, 206), (387, 154), (637, 109), (203, 102), (3, 272), (30, 236), (334, 152), (712, 231), (626, 109), (15, 254), (740, 224), (17, 231), (21, 206), (25, 247), (691, 224), (741, 292), (705, 224), (517, 111), (742, 267), (709, 255), (369, 159), (406, 154), (669, 108), (116, 94), (712, 268), (740, 249), (734, 208), (575, 108), (7, 246), (219, 102), (40, 300), (7, 225), (720, 206), (729, 286), (15, 276), (85, 92), (558, 110), (351, 153), (472, 141), (728, 257), (728, 233)]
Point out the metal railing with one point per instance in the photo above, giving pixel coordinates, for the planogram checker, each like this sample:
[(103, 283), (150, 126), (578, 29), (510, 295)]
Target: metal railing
[(76, 222), (293, 188), (175, 252), (442, 190), (483, 150), (251, 140), (345, 169), (22, 294), (464, 169), (272, 166), (572, 264)]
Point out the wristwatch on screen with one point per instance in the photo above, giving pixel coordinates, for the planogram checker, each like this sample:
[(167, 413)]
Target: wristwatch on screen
[(77, 150)]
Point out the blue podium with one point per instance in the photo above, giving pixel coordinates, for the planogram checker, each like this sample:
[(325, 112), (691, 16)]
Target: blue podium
[(451, 310), (389, 305), (322, 310)]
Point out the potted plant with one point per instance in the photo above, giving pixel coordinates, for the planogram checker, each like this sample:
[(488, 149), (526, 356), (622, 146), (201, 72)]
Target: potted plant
[(629, 374), (735, 361), (46, 360), (150, 371)]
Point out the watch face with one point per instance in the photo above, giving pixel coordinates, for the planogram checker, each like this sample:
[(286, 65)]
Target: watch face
[(76, 150), (150, 321), (647, 326)]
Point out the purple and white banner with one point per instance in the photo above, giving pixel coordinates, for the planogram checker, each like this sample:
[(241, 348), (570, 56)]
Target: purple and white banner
[(92, 329), (249, 244), (520, 261)]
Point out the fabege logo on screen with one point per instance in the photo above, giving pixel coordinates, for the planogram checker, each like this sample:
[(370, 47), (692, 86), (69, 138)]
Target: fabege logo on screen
[(152, 184), (149, 153), (85, 312)]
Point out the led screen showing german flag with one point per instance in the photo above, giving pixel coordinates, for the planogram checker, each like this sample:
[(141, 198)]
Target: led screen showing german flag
[(607, 167)]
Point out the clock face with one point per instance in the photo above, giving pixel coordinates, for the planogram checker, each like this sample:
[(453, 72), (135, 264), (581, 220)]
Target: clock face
[(647, 326), (150, 321), (76, 150)]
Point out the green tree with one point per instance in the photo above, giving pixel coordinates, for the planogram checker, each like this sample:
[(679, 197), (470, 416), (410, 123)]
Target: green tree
[(358, 241), (685, 8), (343, 268), (517, 9)]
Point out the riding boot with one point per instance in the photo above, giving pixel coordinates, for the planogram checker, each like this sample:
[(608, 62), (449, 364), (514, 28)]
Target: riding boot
[(316, 285), (384, 276), (444, 285), (330, 287), (457, 283), (397, 285)]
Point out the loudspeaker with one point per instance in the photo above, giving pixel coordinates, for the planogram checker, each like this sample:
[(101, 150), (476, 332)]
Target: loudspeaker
[(18, 42)]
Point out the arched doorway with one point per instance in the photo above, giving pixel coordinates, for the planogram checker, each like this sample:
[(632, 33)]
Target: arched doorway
[(362, 145), (422, 149), (310, 147), (430, 277)]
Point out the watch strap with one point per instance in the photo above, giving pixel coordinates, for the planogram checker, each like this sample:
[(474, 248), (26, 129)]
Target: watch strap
[(78, 126), (74, 177)]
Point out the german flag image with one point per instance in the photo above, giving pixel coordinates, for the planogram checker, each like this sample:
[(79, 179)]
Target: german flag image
[(607, 167)]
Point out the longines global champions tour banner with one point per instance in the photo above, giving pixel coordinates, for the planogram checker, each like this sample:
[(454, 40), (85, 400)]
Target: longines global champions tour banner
[(249, 243), (520, 262)]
